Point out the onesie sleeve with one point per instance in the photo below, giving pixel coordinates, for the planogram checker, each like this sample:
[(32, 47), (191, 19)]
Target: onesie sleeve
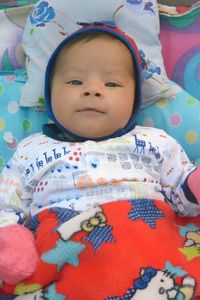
[(179, 180), (12, 208)]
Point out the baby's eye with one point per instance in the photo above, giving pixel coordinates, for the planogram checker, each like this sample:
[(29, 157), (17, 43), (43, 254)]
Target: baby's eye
[(74, 82), (112, 84)]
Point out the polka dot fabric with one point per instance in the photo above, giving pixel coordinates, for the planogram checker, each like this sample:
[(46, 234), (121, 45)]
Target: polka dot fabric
[(180, 117), (15, 122)]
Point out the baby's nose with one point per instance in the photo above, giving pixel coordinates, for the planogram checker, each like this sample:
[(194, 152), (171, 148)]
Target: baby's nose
[(93, 89), (92, 93)]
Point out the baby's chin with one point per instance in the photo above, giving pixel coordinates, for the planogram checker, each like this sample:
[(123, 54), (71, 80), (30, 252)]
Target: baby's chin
[(94, 135)]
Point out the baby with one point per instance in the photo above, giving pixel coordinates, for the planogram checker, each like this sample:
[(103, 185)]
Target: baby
[(93, 153)]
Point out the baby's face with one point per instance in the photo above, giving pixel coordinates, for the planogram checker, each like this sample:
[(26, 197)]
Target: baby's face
[(93, 88)]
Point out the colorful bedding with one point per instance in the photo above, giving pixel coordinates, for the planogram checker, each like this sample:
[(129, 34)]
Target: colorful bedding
[(123, 250), (137, 249)]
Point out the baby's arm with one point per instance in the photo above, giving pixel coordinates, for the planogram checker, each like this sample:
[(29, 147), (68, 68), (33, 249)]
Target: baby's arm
[(18, 256), (180, 180)]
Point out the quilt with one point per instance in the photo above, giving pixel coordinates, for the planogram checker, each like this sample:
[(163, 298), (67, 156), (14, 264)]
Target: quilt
[(127, 249)]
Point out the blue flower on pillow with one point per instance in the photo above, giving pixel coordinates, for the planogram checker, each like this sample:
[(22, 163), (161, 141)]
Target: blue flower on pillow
[(146, 6), (43, 13), (134, 1), (148, 67)]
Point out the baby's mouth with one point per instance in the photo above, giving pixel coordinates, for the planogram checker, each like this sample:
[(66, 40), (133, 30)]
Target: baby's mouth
[(90, 109)]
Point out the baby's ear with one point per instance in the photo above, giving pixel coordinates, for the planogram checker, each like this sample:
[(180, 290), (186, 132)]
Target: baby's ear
[(18, 255)]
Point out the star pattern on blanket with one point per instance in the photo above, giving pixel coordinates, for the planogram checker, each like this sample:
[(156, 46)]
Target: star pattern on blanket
[(190, 252), (99, 236), (64, 252), (50, 293), (146, 210), (176, 271), (63, 214), (33, 223)]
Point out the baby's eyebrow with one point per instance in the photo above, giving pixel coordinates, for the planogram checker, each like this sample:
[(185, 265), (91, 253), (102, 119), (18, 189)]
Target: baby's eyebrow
[(115, 72), (67, 70)]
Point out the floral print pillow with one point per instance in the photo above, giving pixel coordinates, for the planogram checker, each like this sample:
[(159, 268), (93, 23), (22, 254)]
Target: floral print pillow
[(51, 21)]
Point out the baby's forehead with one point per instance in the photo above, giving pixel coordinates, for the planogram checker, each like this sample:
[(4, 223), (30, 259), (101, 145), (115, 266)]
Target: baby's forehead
[(86, 37), (105, 70), (69, 55)]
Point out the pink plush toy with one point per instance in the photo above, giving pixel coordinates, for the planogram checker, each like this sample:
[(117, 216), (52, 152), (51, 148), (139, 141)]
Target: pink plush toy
[(191, 186), (18, 255)]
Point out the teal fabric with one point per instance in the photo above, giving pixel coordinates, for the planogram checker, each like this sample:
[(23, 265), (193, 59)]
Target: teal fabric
[(7, 4), (15, 122), (178, 116)]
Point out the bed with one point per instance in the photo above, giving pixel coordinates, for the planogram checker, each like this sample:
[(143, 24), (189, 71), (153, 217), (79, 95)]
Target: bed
[(168, 32), (169, 117)]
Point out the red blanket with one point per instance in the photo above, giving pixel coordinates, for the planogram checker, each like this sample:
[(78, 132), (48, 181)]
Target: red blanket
[(137, 249)]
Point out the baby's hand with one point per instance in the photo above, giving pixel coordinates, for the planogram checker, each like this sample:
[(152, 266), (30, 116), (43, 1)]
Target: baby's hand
[(18, 255), (191, 186)]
